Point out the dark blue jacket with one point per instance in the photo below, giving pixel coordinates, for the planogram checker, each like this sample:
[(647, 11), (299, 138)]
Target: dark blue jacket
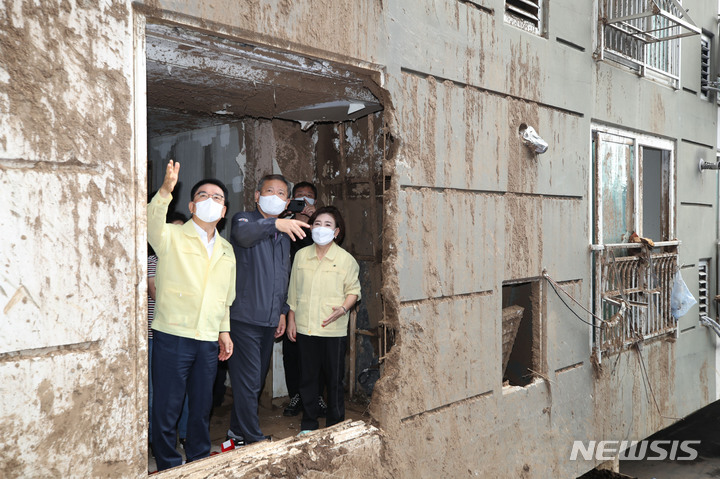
[(262, 254)]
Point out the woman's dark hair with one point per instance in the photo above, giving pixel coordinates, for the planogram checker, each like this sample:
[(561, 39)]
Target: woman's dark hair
[(210, 181), (339, 223)]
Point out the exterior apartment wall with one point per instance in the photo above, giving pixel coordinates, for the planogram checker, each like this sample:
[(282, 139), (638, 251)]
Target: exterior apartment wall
[(683, 380), (469, 208), (72, 384)]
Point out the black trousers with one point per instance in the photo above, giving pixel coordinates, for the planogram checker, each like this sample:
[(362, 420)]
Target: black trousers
[(321, 356), (291, 364)]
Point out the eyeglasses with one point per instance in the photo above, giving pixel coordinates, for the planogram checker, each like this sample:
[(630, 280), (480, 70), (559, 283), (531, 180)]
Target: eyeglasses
[(203, 196)]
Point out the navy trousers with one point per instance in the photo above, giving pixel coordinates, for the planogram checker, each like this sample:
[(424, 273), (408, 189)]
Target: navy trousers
[(180, 365), (321, 356), (249, 365)]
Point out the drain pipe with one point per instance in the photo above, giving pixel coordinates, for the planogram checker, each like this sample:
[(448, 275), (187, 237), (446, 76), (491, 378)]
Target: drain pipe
[(710, 323)]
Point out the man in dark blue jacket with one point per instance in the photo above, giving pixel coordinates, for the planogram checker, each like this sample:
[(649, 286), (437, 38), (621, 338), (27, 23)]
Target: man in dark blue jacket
[(261, 242)]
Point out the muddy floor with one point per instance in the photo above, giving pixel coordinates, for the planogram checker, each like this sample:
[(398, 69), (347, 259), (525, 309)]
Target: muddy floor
[(272, 422)]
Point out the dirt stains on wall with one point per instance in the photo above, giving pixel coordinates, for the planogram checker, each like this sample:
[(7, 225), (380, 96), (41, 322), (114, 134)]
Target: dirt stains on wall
[(69, 412), (292, 25), (466, 206), (44, 45), (65, 154), (646, 397)]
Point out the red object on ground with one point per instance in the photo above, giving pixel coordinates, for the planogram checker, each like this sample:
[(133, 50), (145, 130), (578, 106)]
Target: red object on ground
[(228, 445)]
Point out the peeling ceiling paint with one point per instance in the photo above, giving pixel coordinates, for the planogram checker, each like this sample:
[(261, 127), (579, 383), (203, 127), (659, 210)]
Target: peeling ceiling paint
[(195, 80)]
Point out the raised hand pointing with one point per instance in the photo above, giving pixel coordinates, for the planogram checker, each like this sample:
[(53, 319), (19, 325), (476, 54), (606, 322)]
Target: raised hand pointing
[(171, 178)]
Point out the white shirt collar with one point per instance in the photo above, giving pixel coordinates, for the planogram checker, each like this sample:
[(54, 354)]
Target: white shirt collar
[(204, 237)]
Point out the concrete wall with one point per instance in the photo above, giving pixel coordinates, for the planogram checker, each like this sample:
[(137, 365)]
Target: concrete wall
[(468, 208), (72, 374)]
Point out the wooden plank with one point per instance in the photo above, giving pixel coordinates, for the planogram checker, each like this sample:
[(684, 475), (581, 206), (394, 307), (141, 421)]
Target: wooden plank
[(319, 450)]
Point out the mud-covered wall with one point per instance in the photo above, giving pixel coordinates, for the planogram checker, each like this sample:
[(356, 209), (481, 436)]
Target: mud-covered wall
[(72, 381), (494, 212), (467, 207)]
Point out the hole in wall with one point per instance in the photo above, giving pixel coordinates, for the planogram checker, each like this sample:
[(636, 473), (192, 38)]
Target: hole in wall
[(235, 112), (521, 332)]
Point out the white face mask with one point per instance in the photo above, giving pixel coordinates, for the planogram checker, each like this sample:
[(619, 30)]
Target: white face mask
[(209, 210), (272, 204), (322, 235), (309, 201)]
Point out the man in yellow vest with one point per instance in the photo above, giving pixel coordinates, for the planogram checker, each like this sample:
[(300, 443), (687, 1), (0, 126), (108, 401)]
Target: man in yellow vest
[(195, 286)]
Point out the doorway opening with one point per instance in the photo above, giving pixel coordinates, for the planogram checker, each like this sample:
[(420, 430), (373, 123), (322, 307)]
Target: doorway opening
[(235, 111)]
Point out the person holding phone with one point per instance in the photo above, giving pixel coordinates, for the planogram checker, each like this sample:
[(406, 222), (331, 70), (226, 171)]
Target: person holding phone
[(261, 241)]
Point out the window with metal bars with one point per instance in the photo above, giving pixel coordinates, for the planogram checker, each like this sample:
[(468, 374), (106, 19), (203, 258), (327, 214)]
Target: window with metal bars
[(703, 288), (644, 35), (525, 14), (704, 65)]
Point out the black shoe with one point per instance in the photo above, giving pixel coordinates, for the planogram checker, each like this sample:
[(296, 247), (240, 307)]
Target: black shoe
[(295, 406), (323, 407), (265, 438)]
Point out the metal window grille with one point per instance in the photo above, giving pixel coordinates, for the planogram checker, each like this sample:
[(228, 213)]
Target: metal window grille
[(703, 288), (525, 14), (645, 35), (704, 66), (645, 283)]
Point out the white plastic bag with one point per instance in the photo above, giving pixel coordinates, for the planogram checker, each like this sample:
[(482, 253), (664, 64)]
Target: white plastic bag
[(680, 300)]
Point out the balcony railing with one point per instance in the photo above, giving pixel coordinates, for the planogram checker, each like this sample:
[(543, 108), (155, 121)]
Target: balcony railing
[(633, 297)]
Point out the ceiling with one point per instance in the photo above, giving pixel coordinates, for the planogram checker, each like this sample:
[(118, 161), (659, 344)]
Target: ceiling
[(195, 80)]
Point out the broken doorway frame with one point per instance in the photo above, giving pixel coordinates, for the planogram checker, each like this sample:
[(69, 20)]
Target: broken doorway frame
[(141, 17)]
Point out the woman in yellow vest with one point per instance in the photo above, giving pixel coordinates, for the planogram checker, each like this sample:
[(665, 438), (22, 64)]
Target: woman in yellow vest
[(324, 285)]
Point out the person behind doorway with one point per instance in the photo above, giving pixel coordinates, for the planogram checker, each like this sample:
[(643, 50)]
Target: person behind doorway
[(261, 242), (324, 285), (176, 219), (306, 192), (195, 286)]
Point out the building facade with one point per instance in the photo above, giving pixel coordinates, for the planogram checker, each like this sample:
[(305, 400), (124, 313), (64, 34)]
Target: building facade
[(506, 308)]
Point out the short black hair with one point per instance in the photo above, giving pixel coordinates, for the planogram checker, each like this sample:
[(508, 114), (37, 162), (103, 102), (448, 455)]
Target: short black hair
[(304, 184), (175, 216), (210, 181), (272, 177), (335, 213)]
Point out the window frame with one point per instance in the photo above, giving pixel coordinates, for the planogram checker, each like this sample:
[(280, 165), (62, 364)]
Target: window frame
[(704, 287), (705, 66), (514, 16), (638, 141), (646, 36), (635, 324)]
